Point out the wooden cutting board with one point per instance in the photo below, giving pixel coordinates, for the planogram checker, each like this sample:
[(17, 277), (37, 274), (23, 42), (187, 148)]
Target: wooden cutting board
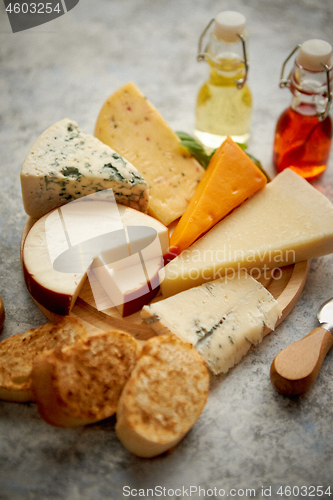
[(285, 284)]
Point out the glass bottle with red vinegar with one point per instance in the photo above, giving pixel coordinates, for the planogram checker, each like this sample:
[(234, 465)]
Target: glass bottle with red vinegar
[(303, 134)]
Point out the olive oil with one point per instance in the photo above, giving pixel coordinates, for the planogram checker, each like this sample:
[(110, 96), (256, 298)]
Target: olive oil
[(224, 102), (223, 109)]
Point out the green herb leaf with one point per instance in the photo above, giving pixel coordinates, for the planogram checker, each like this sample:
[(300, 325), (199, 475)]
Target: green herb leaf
[(242, 146), (198, 152), (194, 148), (257, 162)]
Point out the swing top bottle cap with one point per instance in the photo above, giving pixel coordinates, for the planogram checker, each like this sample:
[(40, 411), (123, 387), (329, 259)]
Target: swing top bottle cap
[(228, 25), (313, 54)]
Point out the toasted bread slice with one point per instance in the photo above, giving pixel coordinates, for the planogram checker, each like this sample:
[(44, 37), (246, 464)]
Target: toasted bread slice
[(81, 384), (2, 313), (163, 397), (18, 352)]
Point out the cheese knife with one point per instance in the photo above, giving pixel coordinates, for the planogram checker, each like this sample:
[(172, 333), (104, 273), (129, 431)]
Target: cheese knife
[(296, 367)]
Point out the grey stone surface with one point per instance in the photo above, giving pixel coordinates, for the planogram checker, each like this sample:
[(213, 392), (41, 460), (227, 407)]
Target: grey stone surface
[(248, 436)]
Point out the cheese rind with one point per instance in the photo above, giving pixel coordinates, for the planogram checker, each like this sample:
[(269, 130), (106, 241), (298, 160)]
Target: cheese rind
[(222, 319), (288, 221), (131, 282), (55, 290), (132, 126), (65, 163)]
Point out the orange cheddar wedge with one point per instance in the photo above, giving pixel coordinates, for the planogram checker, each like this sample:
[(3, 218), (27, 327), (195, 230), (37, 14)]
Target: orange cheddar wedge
[(231, 177)]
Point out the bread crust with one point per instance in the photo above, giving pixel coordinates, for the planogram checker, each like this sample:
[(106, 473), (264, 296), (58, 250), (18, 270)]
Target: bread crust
[(163, 398), (2, 314), (18, 352), (81, 384)]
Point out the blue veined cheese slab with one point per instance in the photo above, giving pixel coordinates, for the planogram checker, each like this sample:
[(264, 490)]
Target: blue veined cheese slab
[(222, 319), (65, 164)]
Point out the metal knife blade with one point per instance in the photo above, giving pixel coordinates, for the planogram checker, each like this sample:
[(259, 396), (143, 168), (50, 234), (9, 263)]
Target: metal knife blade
[(325, 315)]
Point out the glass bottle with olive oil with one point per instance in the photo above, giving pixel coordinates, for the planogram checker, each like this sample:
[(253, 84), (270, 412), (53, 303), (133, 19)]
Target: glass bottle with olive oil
[(224, 102)]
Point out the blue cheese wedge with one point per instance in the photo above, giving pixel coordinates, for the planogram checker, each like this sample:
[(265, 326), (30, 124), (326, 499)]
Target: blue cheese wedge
[(221, 318), (65, 164)]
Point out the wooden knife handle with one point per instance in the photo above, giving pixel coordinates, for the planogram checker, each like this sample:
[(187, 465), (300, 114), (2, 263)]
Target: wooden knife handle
[(294, 369), (2, 313)]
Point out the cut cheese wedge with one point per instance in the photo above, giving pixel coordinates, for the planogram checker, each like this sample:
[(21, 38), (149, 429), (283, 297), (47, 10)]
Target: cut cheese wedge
[(65, 164), (286, 222), (222, 319), (56, 288), (231, 177), (133, 127), (133, 281)]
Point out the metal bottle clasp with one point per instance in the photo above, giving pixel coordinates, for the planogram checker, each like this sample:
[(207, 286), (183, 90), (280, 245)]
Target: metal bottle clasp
[(324, 114), (201, 56), (285, 82)]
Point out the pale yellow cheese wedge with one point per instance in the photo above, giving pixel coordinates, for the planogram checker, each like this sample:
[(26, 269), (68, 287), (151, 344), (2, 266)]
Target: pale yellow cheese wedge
[(130, 124), (286, 222)]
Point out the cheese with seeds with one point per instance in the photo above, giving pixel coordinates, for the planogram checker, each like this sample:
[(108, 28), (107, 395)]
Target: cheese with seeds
[(131, 125)]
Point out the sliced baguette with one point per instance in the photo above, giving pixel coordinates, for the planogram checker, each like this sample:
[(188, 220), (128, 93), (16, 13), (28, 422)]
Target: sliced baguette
[(81, 384), (18, 352), (163, 397)]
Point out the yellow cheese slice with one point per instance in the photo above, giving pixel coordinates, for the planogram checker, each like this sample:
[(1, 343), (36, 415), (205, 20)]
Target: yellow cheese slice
[(133, 127), (286, 222)]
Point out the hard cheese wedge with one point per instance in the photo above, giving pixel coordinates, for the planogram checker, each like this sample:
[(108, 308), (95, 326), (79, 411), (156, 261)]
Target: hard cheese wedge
[(222, 319), (45, 244), (132, 126), (231, 177), (66, 163), (286, 222)]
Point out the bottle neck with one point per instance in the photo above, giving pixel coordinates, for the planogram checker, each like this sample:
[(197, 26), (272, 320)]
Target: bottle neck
[(309, 89), (226, 60)]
